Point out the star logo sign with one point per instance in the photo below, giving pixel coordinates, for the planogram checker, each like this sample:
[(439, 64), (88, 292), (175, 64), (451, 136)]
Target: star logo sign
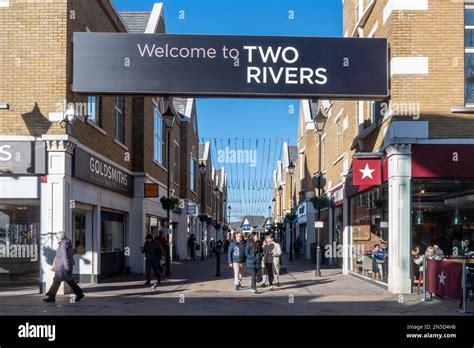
[(367, 172), (442, 278)]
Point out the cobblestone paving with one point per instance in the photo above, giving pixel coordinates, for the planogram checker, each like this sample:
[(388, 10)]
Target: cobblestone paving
[(193, 289)]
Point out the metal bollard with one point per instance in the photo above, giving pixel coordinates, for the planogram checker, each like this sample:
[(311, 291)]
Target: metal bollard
[(218, 262)]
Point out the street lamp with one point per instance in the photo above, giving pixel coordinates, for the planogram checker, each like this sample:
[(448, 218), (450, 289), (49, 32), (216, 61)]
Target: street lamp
[(202, 169), (320, 122), (291, 170), (280, 190), (168, 119)]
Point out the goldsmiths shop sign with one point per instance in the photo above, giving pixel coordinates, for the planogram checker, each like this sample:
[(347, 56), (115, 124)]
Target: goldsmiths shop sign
[(92, 169), (230, 66)]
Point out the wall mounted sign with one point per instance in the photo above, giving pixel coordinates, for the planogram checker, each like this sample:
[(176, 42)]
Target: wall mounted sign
[(151, 190), (22, 157), (89, 168), (230, 66)]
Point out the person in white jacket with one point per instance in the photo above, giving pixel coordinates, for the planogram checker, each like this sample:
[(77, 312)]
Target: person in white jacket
[(271, 258)]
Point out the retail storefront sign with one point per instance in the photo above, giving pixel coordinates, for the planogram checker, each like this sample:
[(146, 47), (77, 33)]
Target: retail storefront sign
[(92, 169), (22, 157)]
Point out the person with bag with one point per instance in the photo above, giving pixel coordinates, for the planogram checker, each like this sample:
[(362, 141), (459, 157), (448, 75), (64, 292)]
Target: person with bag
[(62, 266), (253, 253), (153, 254), (236, 258)]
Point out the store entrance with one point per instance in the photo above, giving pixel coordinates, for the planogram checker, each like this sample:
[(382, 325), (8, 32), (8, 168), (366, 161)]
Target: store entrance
[(112, 261)]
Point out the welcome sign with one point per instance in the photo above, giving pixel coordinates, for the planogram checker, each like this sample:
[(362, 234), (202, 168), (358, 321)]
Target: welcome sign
[(230, 66)]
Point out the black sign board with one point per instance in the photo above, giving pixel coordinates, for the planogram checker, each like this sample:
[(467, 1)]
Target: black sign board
[(92, 169), (230, 66)]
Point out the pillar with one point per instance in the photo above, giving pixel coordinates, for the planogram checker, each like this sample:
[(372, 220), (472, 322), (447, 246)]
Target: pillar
[(399, 216)]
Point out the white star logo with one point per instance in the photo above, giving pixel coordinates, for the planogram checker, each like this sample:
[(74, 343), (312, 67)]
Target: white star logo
[(442, 278), (367, 172)]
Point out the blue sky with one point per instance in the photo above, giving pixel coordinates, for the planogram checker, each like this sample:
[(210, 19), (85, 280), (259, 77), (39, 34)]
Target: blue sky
[(244, 118)]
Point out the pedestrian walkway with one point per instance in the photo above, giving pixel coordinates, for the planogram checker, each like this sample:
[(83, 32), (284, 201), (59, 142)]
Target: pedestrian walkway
[(193, 289)]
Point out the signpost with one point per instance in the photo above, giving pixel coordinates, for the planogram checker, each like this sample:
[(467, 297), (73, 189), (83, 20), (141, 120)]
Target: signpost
[(230, 66)]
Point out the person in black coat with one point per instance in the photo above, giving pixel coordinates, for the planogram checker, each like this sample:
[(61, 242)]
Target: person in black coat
[(153, 253), (192, 246), (253, 253), (62, 267)]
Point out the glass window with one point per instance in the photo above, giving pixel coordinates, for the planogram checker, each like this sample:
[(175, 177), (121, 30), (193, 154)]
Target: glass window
[(370, 249), (176, 164), (93, 109), (119, 119), (192, 173), (158, 137), (468, 56)]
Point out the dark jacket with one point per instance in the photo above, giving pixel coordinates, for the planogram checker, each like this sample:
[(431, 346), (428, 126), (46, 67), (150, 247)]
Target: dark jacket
[(254, 257), (152, 250), (236, 252), (64, 261), (191, 242)]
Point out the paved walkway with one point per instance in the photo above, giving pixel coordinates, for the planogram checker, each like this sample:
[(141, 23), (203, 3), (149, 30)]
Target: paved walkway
[(193, 289)]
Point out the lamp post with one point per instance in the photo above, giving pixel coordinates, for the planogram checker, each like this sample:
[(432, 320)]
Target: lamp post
[(202, 169), (320, 122), (216, 251), (291, 170), (270, 212), (168, 118)]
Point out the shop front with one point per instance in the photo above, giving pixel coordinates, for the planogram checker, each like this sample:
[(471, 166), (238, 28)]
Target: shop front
[(21, 165), (101, 199), (336, 225)]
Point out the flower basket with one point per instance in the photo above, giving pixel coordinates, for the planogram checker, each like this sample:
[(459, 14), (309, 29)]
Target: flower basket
[(320, 202), (169, 203)]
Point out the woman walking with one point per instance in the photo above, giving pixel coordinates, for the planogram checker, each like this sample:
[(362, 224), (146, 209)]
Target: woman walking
[(63, 266), (253, 253)]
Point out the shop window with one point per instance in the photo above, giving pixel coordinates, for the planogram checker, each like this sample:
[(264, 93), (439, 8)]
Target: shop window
[(120, 119), (370, 249)]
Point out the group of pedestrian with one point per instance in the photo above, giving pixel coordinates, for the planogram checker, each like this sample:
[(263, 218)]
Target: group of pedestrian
[(261, 259)]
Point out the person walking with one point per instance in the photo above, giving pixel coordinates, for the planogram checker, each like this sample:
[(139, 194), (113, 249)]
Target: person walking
[(192, 246), (253, 253), (62, 266), (153, 254), (236, 259), (272, 253), (297, 247), (226, 245)]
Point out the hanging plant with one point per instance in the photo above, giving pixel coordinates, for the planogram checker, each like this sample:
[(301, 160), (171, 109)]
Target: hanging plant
[(169, 203), (320, 202), (202, 217)]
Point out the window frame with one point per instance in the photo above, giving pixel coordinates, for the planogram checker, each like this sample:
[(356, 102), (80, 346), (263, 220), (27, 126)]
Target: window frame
[(97, 117), (120, 115), (158, 141)]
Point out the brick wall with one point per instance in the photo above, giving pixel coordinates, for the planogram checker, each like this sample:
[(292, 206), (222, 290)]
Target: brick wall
[(32, 65)]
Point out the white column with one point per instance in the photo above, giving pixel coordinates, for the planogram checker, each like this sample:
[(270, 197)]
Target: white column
[(346, 238), (137, 227), (399, 216), (55, 205), (331, 235)]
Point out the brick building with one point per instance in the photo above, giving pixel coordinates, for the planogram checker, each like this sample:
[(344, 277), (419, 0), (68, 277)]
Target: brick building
[(86, 177)]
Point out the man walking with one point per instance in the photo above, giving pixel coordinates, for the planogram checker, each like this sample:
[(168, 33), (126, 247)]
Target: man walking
[(62, 267), (153, 255), (236, 258), (192, 247)]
